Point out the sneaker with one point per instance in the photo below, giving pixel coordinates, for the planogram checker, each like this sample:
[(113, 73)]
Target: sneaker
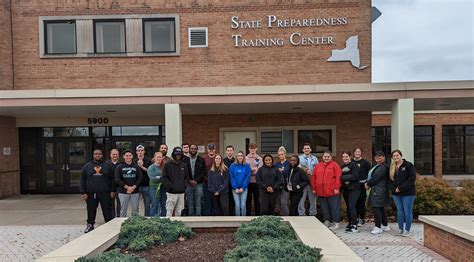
[(385, 228), (376, 231), (326, 223), (352, 229), (361, 222), (406, 234), (348, 226), (400, 232), (335, 226), (89, 228)]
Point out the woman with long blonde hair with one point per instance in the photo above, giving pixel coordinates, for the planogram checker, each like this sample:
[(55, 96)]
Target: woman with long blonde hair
[(403, 177)]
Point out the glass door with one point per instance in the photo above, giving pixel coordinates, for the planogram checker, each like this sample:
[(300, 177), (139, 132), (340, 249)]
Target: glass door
[(54, 166), (63, 160), (77, 154)]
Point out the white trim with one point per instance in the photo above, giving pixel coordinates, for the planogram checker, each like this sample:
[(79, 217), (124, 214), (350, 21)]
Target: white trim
[(39, 92), (429, 112)]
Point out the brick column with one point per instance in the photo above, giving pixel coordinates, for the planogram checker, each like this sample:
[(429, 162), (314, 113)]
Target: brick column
[(10, 167)]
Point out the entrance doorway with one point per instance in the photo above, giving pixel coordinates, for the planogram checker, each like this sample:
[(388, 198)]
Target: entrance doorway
[(63, 161), (240, 140)]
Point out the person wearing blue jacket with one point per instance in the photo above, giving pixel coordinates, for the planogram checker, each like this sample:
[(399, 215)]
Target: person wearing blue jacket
[(218, 185), (240, 179)]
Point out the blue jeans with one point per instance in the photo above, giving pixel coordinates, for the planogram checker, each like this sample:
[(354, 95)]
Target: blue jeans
[(240, 200), (404, 210), (194, 196), (145, 192), (155, 202), (208, 208)]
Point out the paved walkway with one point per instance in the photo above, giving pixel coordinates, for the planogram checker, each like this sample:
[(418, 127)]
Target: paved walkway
[(32, 226), (388, 246)]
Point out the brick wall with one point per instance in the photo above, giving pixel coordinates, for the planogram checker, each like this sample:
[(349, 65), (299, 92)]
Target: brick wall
[(219, 65), (10, 167), (436, 120), (6, 68), (352, 129), (449, 245)]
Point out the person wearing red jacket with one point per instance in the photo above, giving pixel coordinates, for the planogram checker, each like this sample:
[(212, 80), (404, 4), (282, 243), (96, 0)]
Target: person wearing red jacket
[(326, 183)]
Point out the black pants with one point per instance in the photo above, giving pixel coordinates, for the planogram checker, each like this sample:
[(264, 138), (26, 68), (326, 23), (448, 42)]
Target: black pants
[(221, 204), (231, 202), (253, 192), (295, 198), (268, 202), (115, 203), (93, 200), (380, 216), (360, 206), (351, 197)]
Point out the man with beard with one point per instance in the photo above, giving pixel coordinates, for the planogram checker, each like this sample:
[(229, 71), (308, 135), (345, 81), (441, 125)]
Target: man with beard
[(97, 180), (194, 190)]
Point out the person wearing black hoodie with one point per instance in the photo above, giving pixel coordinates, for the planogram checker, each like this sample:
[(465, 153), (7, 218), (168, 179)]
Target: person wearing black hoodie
[(128, 176), (269, 181), (97, 182), (295, 181), (350, 189), (197, 172), (175, 178), (364, 167)]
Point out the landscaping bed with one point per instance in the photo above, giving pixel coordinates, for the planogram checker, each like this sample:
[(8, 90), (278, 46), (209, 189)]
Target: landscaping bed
[(202, 246), (161, 239)]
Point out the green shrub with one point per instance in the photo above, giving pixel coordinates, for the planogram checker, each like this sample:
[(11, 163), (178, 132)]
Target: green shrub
[(264, 227), (267, 238), (268, 249), (468, 189), (111, 256), (140, 233), (435, 197)]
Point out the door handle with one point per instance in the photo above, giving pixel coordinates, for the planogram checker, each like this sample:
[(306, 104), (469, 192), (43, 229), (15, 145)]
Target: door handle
[(63, 168), (67, 167)]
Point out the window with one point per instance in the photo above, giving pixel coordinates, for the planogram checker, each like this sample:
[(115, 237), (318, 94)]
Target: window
[(135, 131), (65, 132), (424, 150), (272, 140), (109, 36), (320, 140), (60, 37), (423, 147), (159, 35), (458, 149)]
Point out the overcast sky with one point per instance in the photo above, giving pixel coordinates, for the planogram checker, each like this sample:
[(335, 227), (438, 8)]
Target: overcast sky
[(423, 40)]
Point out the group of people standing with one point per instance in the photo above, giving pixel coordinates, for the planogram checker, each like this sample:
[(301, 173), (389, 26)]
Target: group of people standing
[(189, 184)]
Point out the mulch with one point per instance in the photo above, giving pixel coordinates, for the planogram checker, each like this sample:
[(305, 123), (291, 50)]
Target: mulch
[(202, 246)]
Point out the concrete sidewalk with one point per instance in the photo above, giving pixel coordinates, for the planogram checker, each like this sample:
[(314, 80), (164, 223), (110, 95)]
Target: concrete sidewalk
[(27, 210)]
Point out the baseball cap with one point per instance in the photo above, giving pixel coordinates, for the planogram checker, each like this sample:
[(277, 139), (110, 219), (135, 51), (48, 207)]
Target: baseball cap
[(140, 147), (211, 146), (177, 151)]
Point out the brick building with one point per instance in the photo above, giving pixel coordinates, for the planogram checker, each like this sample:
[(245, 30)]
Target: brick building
[(86, 73)]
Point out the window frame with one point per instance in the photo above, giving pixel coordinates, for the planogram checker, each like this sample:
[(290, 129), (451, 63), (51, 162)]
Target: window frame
[(144, 20), (464, 149), (432, 143), (45, 35), (85, 35), (94, 33)]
